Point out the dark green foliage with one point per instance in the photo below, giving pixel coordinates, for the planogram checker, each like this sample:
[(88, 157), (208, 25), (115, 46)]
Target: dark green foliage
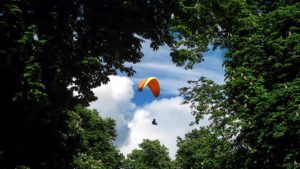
[(264, 72), (95, 136), (210, 146), (51, 48), (202, 149), (209, 100), (151, 155), (261, 97)]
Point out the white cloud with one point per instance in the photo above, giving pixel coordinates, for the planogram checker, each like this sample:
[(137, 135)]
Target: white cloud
[(173, 120), (133, 121), (114, 101)]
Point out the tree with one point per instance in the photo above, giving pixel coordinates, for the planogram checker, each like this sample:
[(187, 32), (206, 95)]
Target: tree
[(51, 49), (151, 155), (210, 146), (262, 74), (202, 149), (95, 136)]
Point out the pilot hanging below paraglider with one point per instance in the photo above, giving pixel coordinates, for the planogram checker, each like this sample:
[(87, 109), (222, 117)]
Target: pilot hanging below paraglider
[(154, 122)]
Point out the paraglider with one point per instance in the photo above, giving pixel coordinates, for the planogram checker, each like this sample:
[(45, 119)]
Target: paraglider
[(152, 83)]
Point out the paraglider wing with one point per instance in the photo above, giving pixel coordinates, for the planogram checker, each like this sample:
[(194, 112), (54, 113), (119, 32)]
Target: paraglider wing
[(152, 83), (141, 84)]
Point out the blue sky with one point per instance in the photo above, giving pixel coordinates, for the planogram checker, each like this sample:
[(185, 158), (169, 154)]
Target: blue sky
[(134, 111), (159, 64)]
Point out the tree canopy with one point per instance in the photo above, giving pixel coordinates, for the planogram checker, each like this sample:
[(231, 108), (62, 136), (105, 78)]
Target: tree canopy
[(204, 149), (95, 136), (151, 155), (259, 103), (51, 49), (54, 52)]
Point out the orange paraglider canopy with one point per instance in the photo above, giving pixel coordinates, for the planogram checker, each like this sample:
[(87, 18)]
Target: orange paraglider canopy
[(152, 83)]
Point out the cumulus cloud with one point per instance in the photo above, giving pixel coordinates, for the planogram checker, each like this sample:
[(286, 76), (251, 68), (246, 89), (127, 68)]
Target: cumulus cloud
[(114, 101), (173, 120), (117, 99), (134, 122)]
